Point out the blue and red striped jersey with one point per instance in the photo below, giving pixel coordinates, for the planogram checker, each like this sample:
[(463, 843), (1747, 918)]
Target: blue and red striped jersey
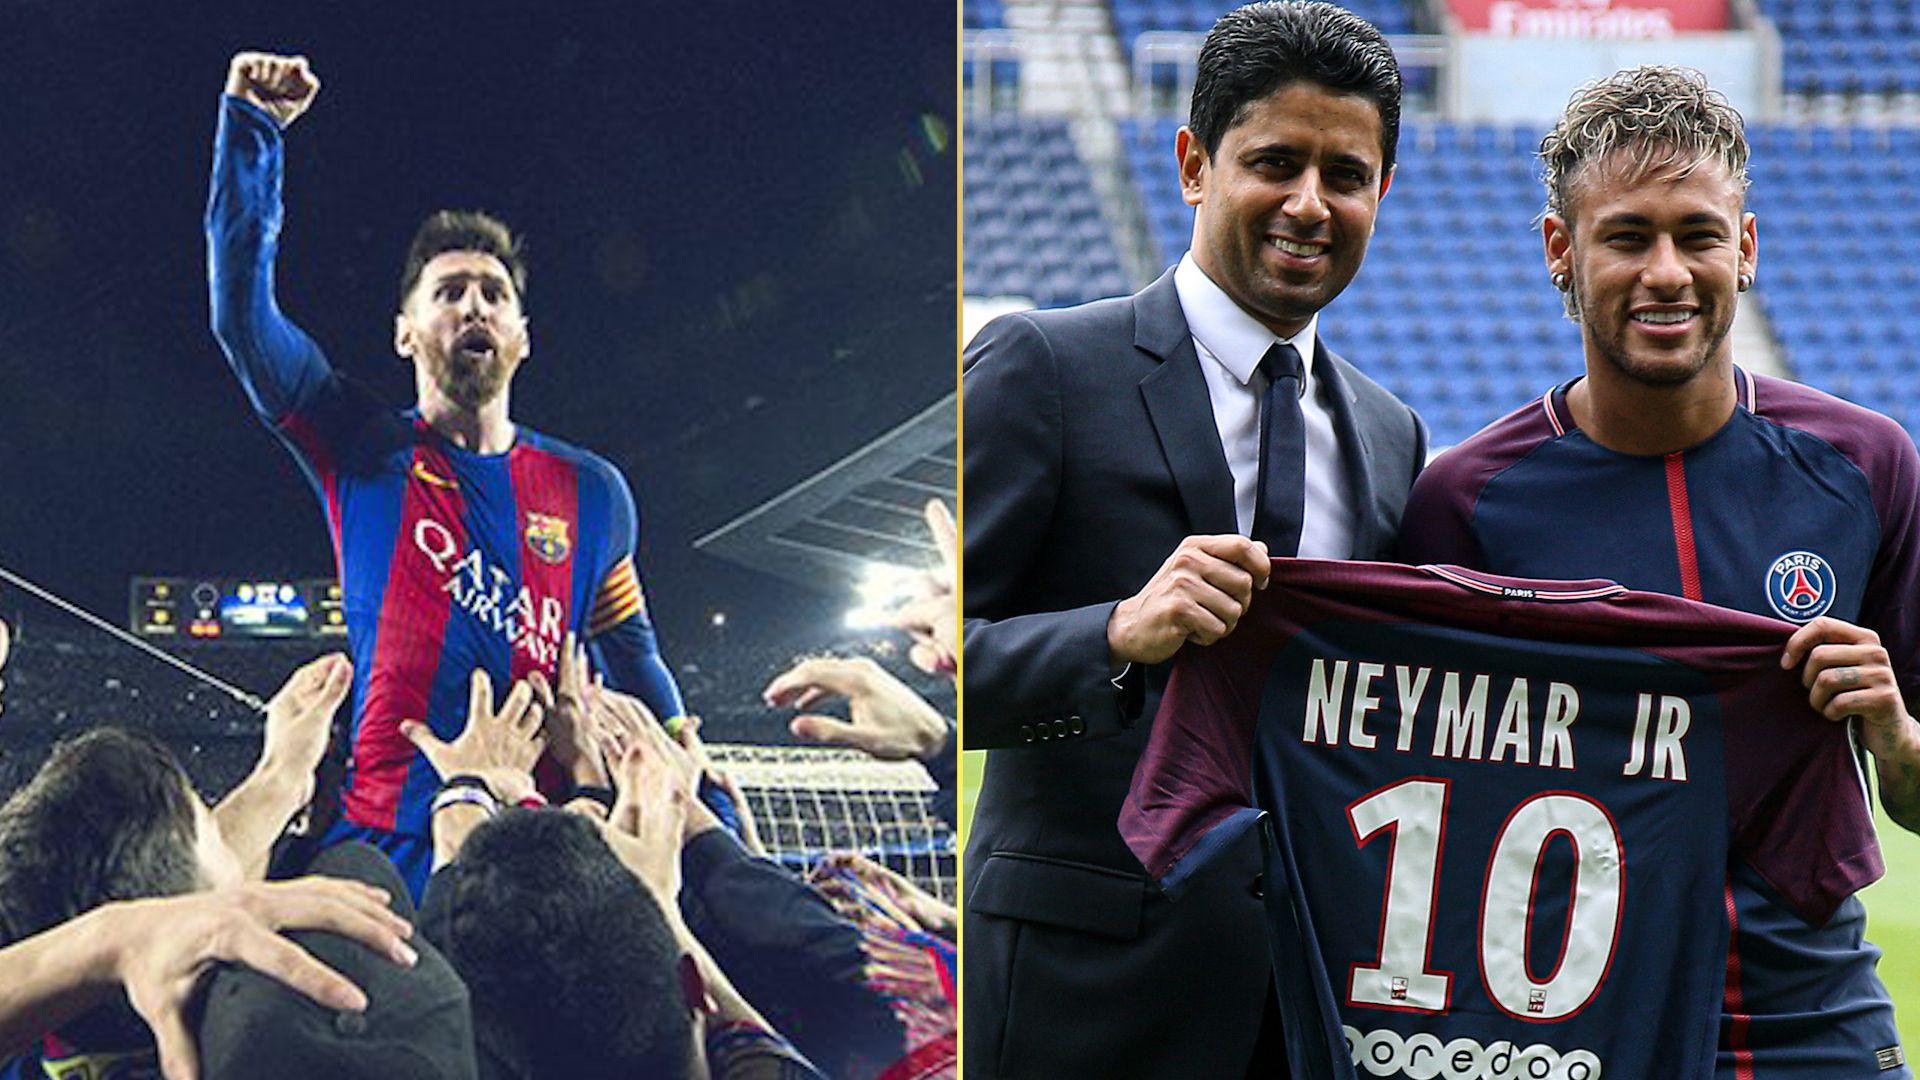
[(1801, 505), (449, 560), (1498, 812)]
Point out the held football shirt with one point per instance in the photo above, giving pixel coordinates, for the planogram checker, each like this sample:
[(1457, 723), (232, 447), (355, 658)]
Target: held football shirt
[(1801, 505), (1499, 812)]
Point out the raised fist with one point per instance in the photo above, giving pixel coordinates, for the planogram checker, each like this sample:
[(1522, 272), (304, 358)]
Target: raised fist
[(282, 85)]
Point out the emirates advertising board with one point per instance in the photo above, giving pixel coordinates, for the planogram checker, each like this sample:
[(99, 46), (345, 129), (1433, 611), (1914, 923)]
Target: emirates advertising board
[(1590, 18)]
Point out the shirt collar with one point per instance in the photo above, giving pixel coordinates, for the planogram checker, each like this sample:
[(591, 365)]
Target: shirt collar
[(1234, 338)]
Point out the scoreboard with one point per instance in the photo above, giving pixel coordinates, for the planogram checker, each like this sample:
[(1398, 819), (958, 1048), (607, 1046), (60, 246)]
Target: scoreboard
[(236, 608)]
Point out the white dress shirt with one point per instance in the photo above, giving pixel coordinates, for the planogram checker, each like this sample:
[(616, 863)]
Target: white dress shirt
[(1231, 343)]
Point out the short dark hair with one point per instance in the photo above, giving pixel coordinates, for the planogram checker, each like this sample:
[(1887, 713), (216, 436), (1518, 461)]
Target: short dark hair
[(463, 230), (571, 964), (110, 816), (1256, 50)]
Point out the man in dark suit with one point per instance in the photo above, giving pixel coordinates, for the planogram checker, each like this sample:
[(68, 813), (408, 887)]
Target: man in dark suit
[(1130, 466)]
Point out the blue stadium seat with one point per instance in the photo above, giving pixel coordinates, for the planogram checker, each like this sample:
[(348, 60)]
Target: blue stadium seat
[(1847, 48), (983, 13), (1133, 17), (1034, 227)]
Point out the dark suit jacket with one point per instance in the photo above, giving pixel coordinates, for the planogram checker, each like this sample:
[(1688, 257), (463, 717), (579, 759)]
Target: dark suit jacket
[(1091, 452)]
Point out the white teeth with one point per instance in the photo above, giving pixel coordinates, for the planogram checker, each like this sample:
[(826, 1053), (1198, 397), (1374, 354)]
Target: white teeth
[(1663, 317), (1305, 251)]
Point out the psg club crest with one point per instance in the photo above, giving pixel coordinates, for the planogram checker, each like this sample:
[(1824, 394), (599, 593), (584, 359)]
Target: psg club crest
[(1800, 586), (547, 536)]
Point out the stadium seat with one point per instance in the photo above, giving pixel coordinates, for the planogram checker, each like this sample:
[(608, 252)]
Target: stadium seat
[(983, 13), (1034, 226), (1131, 18), (1847, 48)]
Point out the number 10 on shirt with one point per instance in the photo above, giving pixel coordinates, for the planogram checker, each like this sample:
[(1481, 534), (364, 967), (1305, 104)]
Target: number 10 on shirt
[(1412, 814)]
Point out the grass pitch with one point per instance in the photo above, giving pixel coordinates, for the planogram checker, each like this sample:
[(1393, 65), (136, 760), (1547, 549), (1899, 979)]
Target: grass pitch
[(1893, 923)]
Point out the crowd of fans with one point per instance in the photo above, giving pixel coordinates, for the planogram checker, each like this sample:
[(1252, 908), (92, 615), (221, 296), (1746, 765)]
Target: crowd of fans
[(628, 932)]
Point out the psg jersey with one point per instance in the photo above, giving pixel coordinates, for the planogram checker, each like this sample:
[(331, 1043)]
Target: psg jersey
[(449, 560), (1801, 505), (1499, 813)]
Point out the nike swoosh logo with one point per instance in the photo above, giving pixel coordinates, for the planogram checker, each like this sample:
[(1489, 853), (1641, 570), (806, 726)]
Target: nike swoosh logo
[(421, 473)]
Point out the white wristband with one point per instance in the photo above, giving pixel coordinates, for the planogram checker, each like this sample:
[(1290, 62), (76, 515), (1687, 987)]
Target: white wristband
[(466, 794)]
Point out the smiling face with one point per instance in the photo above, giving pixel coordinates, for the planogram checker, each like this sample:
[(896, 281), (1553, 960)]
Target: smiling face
[(1283, 210), (1654, 263), (463, 327)]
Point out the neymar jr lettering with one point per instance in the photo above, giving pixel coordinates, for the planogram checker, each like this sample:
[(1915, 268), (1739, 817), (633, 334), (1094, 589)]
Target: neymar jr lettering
[(1523, 732)]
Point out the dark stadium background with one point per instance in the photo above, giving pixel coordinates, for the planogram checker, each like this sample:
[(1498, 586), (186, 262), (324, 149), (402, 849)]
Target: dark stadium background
[(740, 222)]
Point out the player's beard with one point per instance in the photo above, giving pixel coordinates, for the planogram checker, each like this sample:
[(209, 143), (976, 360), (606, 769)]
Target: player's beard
[(1610, 341), (468, 381)]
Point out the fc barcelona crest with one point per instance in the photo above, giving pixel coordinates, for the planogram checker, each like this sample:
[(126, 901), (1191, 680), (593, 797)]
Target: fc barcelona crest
[(547, 536)]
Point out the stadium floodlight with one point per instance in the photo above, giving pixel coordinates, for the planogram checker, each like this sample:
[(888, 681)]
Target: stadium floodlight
[(880, 591)]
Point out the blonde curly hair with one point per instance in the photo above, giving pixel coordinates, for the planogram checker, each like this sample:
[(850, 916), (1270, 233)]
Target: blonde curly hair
[(1667, 120)]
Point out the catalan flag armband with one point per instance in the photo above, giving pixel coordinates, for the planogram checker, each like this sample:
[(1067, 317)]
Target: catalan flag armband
[(619, 598)]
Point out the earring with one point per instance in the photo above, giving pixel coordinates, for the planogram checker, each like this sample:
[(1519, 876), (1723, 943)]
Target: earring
[(1746, 282), (1561, 281)]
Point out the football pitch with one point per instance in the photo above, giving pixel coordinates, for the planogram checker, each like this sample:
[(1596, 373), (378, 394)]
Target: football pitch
[(1893, 905), (1893, 923)]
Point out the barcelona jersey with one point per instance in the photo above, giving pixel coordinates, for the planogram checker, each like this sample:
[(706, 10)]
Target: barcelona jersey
[(449, 560)]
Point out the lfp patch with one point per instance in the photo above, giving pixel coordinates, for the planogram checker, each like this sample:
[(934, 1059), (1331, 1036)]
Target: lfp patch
[(1800, 586)]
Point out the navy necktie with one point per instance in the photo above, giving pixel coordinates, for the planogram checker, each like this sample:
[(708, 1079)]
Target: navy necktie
[(1281, 503)]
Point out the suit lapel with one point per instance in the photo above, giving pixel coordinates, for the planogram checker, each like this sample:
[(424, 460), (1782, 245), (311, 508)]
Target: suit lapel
[(1182, 412), (1337, 394)]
